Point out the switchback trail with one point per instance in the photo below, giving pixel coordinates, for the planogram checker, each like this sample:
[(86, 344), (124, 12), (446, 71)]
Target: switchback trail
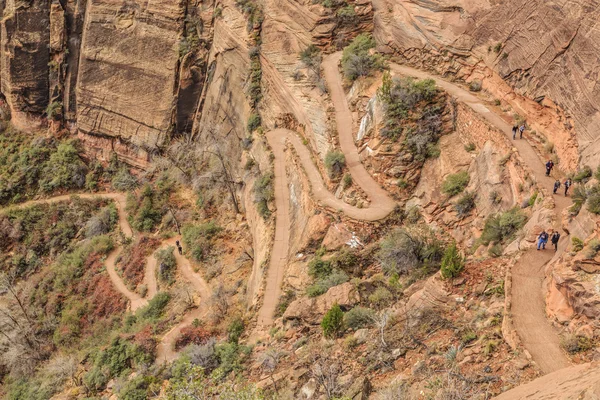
[(528, 304), (165, 349), (381, 204)]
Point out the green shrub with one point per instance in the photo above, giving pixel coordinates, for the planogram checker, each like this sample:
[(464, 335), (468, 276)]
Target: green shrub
[(576, 244), (400, 97), (347, 181), (452, 262), (235, 330), (311, 57), (357, 60), (532, 199), (346, 15), (64, 169), (468, 337), (455, 183), (198, 239), (335, 161), (593, 199), (322, 285), (120, 356), (593, 248), (167, 264), (470, 147), (254, 122), (123, 180), (495, 251), (155, 307), (381, 297), (284, 301), (333, 322), (264, 193), (502, 226), (475, 86), (408, 248), (359, 317), (465, 204), (583, 175), (54, 110), (575, 344), (495, 197), (319, 268), (579, 197)]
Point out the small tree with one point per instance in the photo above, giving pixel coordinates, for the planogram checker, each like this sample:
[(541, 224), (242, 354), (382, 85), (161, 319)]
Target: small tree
[(333, 321), (455, 183), (335, 163), (452, 262)]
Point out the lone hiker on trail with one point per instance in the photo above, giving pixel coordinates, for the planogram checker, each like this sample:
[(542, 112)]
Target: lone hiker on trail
[(521, 130), (542, 240), (549, 166), (556, 186), (514, 131), (554, 239), (568, 184)]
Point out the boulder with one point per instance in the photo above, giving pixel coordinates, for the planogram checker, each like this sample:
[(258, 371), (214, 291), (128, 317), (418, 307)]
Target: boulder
[(311, 310)]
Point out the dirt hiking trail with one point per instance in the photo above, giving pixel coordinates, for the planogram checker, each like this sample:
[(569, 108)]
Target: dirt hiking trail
[(539, 337), (381, 204), (165, 349)]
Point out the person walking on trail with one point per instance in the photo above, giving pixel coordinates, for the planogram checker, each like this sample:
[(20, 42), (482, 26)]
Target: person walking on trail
[(568, 184), (521, 130), (549, 166), (554, 239), (514, 131), (556, 186), (542, 240), (179, 248)]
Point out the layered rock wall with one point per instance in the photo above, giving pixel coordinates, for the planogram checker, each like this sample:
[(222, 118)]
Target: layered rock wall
[(543, 51), (24, 58)]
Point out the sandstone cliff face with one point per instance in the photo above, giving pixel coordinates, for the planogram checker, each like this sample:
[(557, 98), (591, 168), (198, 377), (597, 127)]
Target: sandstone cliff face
[(127, 70), (545, 51), (24, 58)]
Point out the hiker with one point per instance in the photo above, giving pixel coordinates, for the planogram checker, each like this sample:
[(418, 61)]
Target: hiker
[(556, 186), (554, 239), (542, 240), (180, 250), (521, 130), (549, 166), (514, 131), (568, 184)]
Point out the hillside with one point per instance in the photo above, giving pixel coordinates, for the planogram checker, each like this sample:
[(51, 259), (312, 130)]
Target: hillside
[(309, 200)]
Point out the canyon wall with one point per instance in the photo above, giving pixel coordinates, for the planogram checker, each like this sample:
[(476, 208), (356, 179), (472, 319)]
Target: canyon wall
[(545, 51), (130, 75)]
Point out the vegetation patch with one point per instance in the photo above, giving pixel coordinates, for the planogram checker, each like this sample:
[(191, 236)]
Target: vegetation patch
[(132, 261), (502, 227), (199, 239), (409, 248), (264, 193), (455, 183), (31, 165), (357, 59)]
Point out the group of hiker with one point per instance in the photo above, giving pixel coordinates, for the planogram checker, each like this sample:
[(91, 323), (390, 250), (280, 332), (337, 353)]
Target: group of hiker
[(568, 183), (179, 248), (543, 239), (516, 128)]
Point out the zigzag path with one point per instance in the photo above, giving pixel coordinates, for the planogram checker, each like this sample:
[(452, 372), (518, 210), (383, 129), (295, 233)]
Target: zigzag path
[(165, 349), (528, 307), (381, 204)]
